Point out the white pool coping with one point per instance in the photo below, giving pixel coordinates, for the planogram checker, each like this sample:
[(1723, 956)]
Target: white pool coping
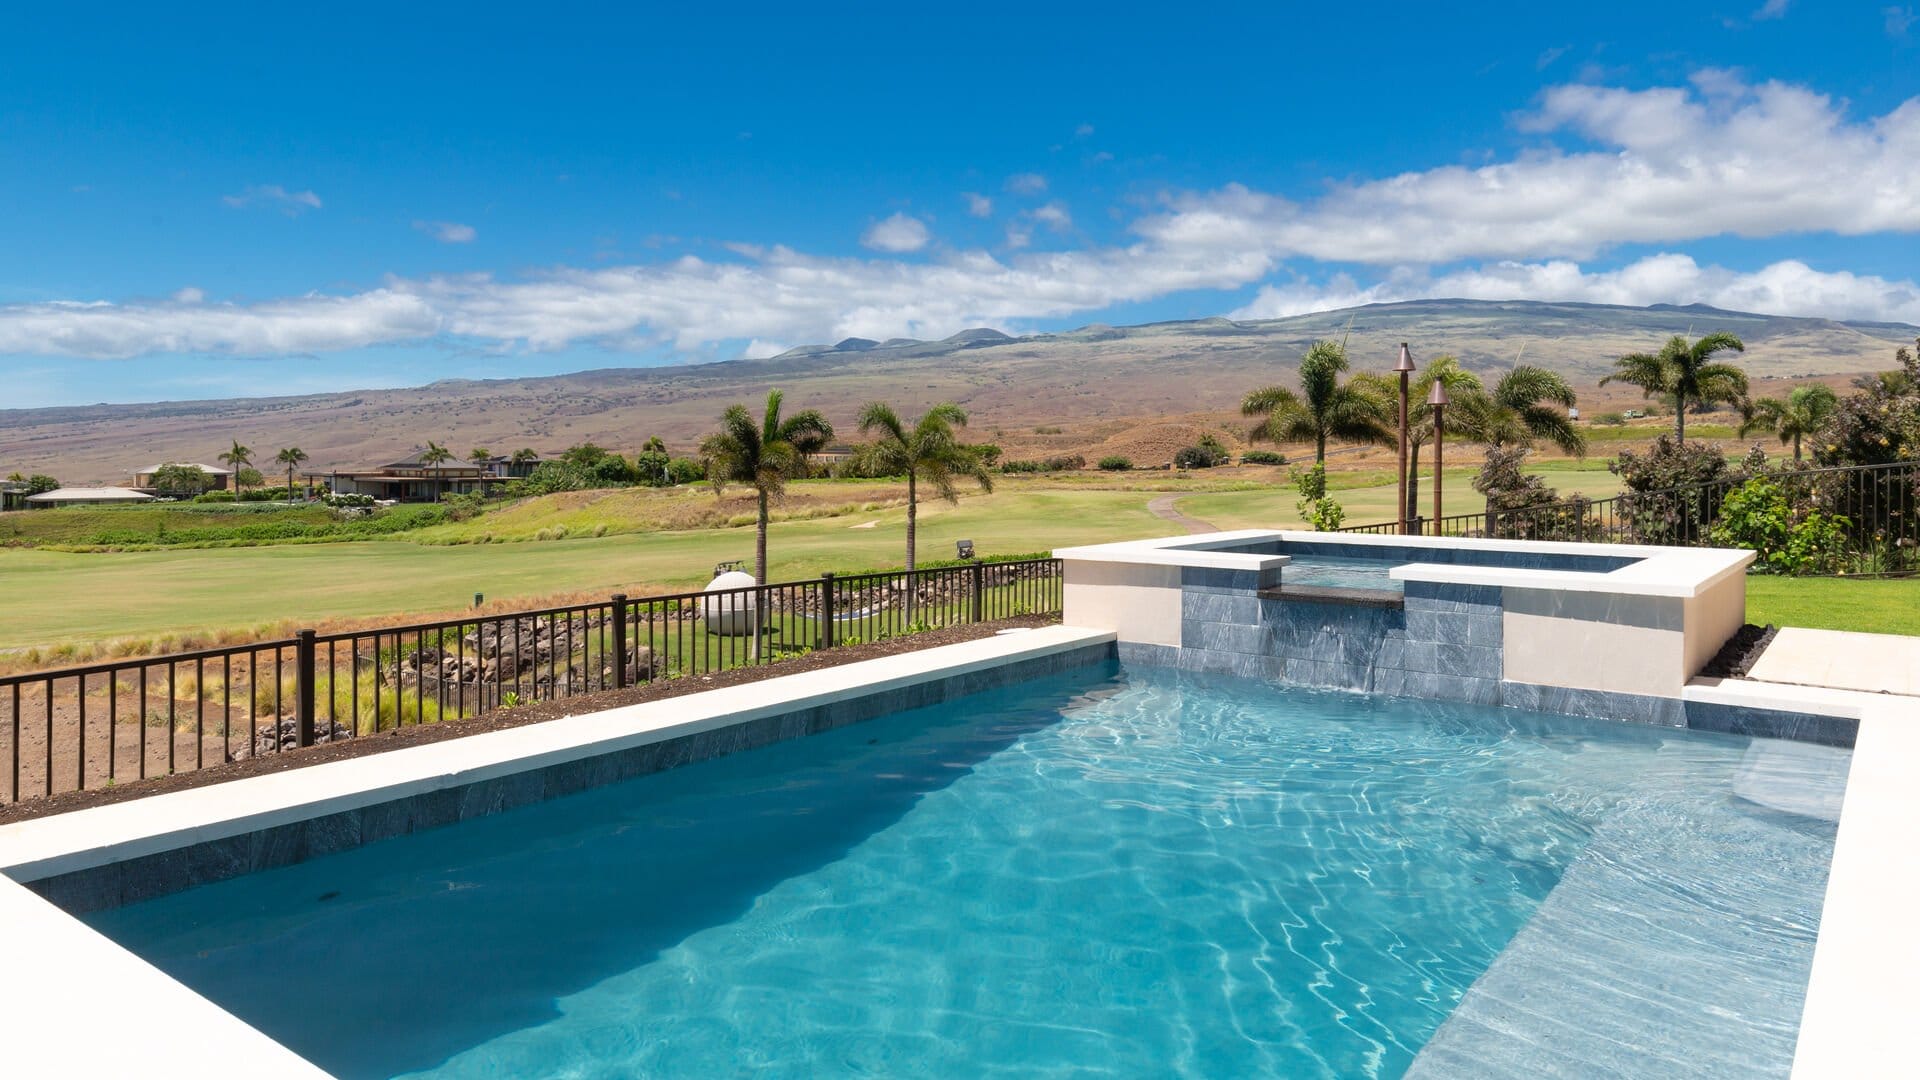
[(76, 1002), (1865, 987), (1659, 571)]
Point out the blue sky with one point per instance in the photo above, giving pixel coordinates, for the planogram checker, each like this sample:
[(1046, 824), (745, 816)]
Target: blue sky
[(251, 199)]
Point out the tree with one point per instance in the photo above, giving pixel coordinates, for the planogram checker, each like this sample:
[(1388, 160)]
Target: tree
[(929, 451), (291, 457), (763, 456), (1802, 412), (654, 445), (1686, 373), (1519, 411), (435, 457), (479, 455), (524, 455), (236, 459), (1325, 407), (176, 479), (41, 483)]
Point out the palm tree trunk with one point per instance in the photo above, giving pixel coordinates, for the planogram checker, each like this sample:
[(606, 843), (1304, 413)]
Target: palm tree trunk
[(1680, 419), (1796, 446), (760, 543), (1320, 447), (913, 514)]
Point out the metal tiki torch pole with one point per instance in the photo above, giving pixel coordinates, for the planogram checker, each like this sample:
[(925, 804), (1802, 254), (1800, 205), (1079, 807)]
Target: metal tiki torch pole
[(1405, 368), (1438, 399)]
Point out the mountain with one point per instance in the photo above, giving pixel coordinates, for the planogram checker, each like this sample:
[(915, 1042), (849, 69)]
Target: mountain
[(1095, 382)]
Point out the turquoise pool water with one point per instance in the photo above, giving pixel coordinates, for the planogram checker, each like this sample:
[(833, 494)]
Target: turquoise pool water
[(1341, 571), (1107, 873)]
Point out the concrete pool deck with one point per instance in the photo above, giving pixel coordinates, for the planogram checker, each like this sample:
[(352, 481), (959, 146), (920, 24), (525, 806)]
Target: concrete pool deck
[(1841, 660)]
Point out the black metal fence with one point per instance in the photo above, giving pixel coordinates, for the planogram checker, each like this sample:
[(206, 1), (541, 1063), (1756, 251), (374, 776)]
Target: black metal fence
[(1881, 505), (112, 722)]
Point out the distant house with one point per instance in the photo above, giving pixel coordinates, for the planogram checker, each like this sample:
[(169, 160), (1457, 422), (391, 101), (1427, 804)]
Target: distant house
[(87, 497), (218, 479), (412, 480), (13, 495), (834, 455)]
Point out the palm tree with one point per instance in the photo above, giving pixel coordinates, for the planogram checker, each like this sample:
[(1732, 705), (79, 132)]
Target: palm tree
[(1463, 387), (1801, 412), (1520, 411), (1325, 407), (929, 450), (764, 456), (524, 455), (1687, 373), (654, 445), (236, 459), (435, 457), (291, 457)]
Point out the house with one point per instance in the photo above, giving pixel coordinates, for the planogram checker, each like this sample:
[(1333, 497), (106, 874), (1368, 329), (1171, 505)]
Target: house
[(87, 497), (412, 480), (218, 479), (835, 454), (13, 495)]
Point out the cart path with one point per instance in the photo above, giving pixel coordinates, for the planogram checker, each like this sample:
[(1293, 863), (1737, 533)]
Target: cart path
[(1163, 508)]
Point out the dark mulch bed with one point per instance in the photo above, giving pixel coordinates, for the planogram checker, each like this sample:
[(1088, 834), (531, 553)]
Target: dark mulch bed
[(505, 718), (1740, 653)]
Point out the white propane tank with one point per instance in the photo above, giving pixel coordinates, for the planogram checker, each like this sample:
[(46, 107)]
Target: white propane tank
[(732, 616)]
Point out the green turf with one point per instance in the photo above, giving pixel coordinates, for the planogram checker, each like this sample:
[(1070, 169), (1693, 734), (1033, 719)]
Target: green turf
[(1274, 507), (1865, 604), (61, 597)]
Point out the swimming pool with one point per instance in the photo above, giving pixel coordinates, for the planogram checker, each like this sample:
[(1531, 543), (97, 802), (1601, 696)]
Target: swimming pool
[(1133, 872)]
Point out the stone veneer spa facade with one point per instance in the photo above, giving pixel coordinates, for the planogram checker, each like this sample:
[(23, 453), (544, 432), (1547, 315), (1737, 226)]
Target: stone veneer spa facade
[(1605, 631)]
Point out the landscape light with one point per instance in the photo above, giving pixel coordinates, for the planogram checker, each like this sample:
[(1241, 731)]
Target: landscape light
[(1438, 399), (1405, 368)]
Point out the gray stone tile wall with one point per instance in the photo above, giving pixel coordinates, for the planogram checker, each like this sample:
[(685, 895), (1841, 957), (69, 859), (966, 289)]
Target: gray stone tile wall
[(1445, 643), (149, 876)]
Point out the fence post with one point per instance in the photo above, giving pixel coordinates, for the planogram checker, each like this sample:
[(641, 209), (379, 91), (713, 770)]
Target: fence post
[(619, 641), (979, 591), (826, 610), (303, 650)]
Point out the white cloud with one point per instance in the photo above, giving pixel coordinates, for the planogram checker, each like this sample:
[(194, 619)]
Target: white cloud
[(1772, 9), (1659, 166), (1899, 20), (289, 202), (1083, 130), (899, 233), (1026, 183), (447, 232), (276, 327), (1665, 165), (1054, 216), (977, 204), (1788, 287), (189, 295)]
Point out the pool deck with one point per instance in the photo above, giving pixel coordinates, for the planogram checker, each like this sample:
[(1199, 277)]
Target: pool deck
[(1842, 660)]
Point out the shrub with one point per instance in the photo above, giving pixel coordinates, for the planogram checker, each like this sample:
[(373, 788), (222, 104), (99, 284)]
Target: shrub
[(214, 497), (1674, 490), (1609, 419), (1324, 514), (1263, 457), (1115, 463), (464, 507), (1058, 463), (1758, 516), (1521, 506), (1204, 454)]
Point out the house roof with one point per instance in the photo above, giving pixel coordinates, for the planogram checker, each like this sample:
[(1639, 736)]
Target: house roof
[(99, 494), (211, 470), (412, 461)]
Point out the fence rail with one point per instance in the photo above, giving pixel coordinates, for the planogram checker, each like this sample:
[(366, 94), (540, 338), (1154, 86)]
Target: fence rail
[(108, 723), (1881, 505)]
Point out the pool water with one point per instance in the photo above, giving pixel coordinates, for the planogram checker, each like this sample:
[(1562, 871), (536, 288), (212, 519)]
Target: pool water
[(1338, 571), (1116, 873)]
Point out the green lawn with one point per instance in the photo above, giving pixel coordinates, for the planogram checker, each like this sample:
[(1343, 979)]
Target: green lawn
[(1864, 604), (1274, 506), (55, 597)]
